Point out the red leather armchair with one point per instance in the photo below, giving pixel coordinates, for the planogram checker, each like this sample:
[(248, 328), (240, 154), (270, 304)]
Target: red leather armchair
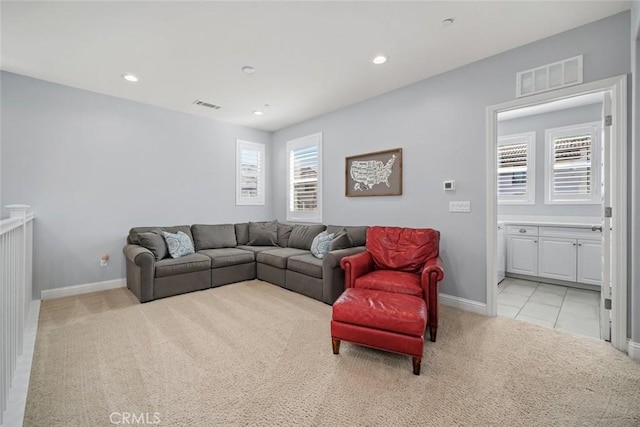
[(399, 260)]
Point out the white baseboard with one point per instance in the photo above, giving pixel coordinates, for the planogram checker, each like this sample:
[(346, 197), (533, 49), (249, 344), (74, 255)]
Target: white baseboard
[(68, 291), (464, 304), (634, 350)]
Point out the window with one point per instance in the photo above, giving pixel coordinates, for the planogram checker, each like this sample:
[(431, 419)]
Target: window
[(304, 179), (250, 165), (572, 166), (516, 169)]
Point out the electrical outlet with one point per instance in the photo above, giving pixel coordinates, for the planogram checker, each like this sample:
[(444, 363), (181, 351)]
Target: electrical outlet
[(104, 263), (460, 206)]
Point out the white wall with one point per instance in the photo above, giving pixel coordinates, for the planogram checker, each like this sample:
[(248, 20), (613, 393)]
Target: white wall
[(92, 166), (440, 124), (634, 250), (540, 123)]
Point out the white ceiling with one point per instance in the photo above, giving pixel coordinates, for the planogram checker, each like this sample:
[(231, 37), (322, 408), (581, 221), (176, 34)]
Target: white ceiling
[(310, 57)]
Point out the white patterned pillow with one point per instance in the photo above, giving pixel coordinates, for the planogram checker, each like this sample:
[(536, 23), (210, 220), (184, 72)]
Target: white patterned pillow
[(179, 244), (320, 244)]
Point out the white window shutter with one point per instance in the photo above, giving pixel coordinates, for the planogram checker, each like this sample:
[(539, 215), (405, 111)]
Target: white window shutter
[(304, 185), (516, 169), (250, 173)]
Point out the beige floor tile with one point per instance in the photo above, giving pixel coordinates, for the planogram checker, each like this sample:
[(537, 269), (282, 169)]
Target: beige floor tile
[(520, 288), (539, 322), (540, 311), (545, 297), (512, 300), (507, 311)]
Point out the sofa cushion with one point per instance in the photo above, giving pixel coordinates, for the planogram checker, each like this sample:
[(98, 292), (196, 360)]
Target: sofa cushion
[(214, 236), (263, 233), (358, 234), (185, 264), (399, 282), (242, 233), (178, 244), (154, 241), (224, 257), (320, 244), (284, 233), (133, 233), (257, 249), (278, 257), (306, 264), (340, 241), (302, 235)]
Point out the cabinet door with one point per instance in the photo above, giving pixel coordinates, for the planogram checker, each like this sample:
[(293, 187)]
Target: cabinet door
[(590, 262), (557, 258), (522, 255)]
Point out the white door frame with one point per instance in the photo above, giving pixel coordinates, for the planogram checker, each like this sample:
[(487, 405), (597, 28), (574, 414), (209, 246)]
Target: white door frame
[(617, 86)]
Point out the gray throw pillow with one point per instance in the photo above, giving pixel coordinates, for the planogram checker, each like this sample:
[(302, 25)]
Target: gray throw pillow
[(340, 241), (263, 233), (242, 233), (284, 232), (302, 235), (153, 241), (320, 244), (179, 244)]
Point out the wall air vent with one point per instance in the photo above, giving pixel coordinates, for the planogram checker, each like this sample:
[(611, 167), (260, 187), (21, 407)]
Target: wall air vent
[(567, 72), (206, 104)]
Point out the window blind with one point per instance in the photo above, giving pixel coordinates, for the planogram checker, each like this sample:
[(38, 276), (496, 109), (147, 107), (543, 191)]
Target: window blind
[(572, 158), (512, 169), (250, 185), (304, 179)]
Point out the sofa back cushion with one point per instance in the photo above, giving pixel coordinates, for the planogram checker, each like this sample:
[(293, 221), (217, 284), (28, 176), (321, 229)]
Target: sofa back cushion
[(404, 249), (214, 236), (135, 239), (302, 235), (263, 233), (357, 234), (242, 233)]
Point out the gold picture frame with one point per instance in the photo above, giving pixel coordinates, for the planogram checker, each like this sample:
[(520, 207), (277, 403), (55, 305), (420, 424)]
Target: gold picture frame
[(374, 174)]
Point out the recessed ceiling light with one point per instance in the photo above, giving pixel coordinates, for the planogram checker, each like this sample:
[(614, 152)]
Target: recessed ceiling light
[(248, 70), (258, 113), (447, 22), (380, 59), (130, 77)]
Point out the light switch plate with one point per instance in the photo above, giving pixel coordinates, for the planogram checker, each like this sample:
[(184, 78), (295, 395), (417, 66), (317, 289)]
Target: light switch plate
[(460, 206)]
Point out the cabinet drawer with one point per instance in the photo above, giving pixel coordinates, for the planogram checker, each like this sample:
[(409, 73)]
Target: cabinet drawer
[(523, 230), (570, 232)]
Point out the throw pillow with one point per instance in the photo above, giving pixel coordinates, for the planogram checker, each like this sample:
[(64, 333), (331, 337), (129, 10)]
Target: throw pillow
[(263, 233), (179, 244), (340, 241), (284, 232), (302, 235), (320, 244), (153, 241)]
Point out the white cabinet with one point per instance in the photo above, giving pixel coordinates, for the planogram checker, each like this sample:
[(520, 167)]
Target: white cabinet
[(589, 262), (564, 253), (557, 258), (522, 250)]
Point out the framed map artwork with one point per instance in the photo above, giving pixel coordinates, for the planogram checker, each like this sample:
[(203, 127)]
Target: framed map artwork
[(374, 174)]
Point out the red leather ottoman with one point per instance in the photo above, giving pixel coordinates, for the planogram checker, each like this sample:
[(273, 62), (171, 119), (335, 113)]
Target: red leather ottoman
[(383, 320)]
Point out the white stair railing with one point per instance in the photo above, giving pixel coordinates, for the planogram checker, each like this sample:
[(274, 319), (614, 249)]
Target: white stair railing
[(16, 292)]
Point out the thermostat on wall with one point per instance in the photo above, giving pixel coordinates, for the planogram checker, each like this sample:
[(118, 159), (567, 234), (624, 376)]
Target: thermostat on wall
[(449, 185)]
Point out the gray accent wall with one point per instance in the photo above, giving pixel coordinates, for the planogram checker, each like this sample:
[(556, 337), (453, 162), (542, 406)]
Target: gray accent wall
[(539, 123), (440, 123), (92, 166)]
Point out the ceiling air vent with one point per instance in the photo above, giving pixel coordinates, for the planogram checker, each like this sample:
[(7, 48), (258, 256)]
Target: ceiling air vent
[(548, 77), (206, 104)]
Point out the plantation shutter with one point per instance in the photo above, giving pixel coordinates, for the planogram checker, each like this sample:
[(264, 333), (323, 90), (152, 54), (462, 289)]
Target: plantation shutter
[(572, 161), (250, 188), (512, 169), (304, 178)]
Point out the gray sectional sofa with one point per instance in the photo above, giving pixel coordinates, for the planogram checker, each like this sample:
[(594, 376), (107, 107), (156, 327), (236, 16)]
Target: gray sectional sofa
[(228, 253)]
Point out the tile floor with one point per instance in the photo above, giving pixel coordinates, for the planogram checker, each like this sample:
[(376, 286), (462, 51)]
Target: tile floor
[(558, 307)]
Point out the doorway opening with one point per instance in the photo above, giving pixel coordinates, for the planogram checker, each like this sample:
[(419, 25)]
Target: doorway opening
[(556, 207)]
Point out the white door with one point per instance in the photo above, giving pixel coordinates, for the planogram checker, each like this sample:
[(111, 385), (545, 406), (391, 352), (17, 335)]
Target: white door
[(522, 257), (590, 262), (605, 293), (557, 258)]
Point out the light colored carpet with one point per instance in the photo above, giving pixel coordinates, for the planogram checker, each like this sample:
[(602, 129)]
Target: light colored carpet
[(255, 354)]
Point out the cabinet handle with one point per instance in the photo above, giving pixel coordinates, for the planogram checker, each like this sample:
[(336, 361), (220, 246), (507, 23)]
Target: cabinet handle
[(574, 244), (597, 228), (523, 230), (579, 244), (535, 241)]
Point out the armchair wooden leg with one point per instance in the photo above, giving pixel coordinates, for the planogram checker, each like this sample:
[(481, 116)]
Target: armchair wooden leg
[(416, 365), (336, 345), (432, 332)]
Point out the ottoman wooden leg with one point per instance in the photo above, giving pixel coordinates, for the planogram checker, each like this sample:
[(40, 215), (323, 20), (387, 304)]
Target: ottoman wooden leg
[(416, 365), (432, 332), (336, 345)]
